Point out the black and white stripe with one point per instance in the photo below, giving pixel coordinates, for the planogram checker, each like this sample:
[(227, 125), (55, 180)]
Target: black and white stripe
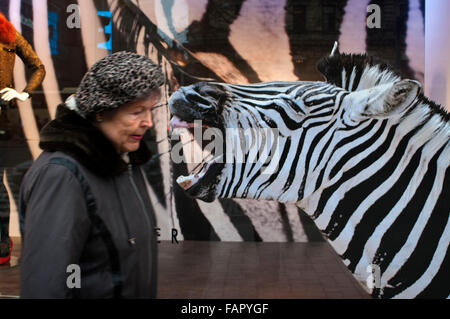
[(282, 106)]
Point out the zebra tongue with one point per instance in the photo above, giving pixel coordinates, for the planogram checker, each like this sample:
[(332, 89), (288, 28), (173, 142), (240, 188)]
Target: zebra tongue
[(176, 122)]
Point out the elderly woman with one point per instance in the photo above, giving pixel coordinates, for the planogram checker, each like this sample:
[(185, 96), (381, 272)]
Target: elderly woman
[(88, 227)]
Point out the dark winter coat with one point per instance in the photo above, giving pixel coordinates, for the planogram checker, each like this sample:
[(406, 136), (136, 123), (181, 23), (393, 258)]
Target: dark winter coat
[(81, 204)]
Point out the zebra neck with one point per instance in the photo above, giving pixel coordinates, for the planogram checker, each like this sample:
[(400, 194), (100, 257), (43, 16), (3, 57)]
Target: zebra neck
[(386, 203), (380, 154)]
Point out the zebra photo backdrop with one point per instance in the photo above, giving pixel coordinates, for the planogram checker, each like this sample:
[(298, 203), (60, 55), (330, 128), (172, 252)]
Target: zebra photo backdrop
[(239, 41)]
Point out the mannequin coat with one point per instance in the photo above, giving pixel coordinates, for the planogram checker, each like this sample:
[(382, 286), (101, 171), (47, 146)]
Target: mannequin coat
[(12, 43)]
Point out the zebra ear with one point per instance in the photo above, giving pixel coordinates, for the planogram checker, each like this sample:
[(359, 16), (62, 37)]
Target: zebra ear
[(382, 101), (400, 96)]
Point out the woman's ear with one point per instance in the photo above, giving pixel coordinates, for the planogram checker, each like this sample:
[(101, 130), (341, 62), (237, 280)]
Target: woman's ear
[(98, 117)]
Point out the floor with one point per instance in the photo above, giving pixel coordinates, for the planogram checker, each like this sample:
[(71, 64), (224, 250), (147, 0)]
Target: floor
[(196, 270)]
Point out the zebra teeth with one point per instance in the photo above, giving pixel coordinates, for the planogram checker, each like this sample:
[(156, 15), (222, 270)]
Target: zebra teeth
[(184, 181), (187, 137), (187, 182), (206, 166)]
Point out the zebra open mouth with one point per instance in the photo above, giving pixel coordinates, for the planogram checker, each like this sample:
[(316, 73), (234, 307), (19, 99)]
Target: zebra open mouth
[(204, 171), (198, 111)]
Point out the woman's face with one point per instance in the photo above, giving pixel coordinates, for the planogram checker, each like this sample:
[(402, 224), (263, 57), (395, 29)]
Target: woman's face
[(126, 126)]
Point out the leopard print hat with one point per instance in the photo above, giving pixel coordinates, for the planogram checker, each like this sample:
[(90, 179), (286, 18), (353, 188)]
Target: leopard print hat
[(115, 80)]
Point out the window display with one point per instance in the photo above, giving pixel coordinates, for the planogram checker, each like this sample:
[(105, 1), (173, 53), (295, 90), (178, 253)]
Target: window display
[(253, 50)]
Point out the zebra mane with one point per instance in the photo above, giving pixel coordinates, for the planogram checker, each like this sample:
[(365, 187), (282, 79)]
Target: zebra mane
[(434, 107), (355, 72), (351, 71)]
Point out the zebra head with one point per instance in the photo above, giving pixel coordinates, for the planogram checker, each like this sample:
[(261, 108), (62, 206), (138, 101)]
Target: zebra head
[(276, 136), (203, 105)]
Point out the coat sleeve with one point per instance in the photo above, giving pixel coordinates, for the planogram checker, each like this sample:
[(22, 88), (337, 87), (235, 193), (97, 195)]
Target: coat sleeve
[(56, 229), (32, 61)]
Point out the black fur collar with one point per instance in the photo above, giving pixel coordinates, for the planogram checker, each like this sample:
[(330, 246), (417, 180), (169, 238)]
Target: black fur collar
[(77, 137)]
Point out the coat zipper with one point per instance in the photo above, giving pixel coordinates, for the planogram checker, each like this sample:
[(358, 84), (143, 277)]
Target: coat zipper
[(141, 201), (138, 194), (131, 240)]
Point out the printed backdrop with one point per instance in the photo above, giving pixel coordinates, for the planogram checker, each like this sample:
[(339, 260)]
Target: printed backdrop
[(237, 41)]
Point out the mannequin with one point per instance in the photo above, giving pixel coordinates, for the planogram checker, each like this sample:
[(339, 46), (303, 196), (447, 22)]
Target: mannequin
[(12, 44)]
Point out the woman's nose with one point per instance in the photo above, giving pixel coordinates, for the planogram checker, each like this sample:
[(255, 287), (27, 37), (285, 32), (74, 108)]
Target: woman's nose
[(148, 119)]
